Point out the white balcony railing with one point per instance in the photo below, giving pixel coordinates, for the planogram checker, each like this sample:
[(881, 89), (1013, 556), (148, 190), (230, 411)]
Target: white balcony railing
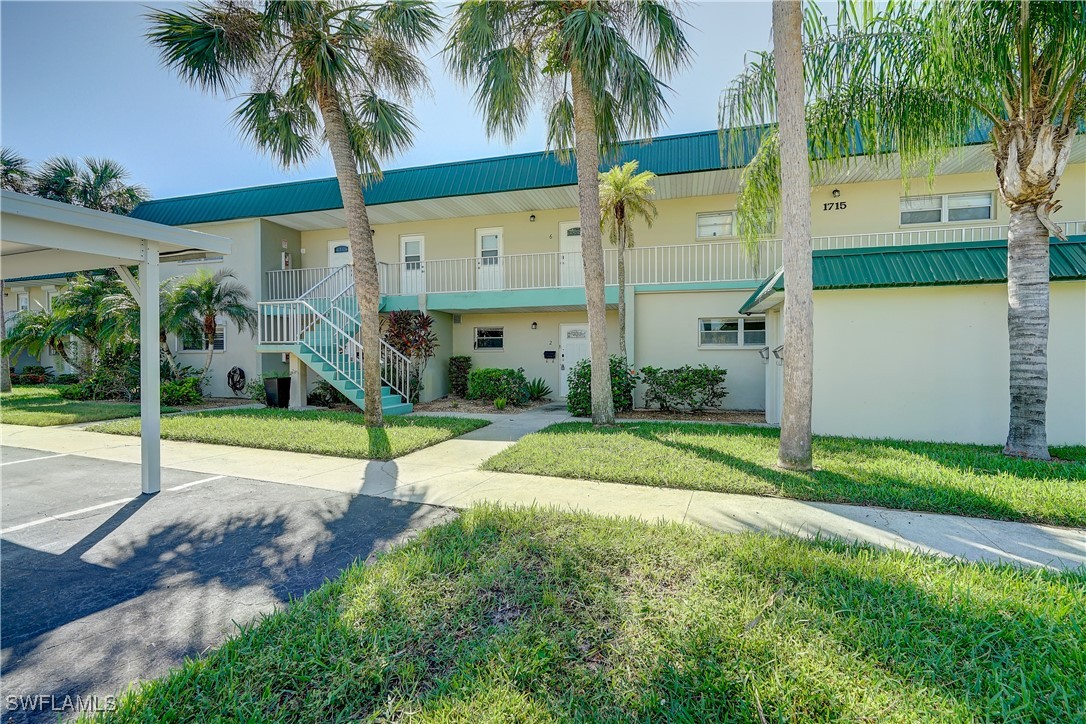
[(724, 261)]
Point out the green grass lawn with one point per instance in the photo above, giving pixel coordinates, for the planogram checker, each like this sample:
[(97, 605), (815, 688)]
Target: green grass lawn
[(943, 478), (42, 406), (324, 433), (530, 616)]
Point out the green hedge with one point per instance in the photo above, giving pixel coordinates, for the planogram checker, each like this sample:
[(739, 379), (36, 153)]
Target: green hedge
[(684, 388), (579, 399), (492, 383), (459, 367)]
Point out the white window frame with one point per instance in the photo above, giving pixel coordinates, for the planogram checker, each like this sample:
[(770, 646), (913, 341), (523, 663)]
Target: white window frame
[(741, 342), (219, 329), (697, 224), (475, 339), (944, 211), (19, 297)]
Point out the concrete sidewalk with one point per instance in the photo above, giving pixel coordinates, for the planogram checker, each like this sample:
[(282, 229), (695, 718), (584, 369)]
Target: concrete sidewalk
[(448, 474)]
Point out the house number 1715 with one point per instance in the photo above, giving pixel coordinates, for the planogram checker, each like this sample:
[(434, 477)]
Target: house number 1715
[(835, 206)]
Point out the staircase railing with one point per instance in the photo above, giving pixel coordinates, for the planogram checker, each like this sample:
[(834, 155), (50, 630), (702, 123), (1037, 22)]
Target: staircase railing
[(332, 336)]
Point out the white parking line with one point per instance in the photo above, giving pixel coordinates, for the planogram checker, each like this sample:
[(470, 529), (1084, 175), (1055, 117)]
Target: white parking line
[(69, 514), (92, 508), (196, 482), (34, 460)]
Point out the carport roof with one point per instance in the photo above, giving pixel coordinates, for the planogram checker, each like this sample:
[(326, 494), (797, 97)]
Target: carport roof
[(976, 262), (43, 237)]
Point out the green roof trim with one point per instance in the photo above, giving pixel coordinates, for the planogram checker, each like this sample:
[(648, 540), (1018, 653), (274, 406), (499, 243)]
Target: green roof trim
[(974, 262), (664, 156)]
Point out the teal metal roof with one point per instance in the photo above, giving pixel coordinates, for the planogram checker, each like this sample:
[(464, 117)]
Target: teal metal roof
[(976, 262), (664, 156)]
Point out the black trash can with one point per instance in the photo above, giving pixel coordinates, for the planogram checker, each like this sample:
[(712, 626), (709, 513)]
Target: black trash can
[(277, 391)]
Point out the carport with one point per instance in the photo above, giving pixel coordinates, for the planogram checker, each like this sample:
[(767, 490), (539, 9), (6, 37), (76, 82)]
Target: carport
[(39, 236)]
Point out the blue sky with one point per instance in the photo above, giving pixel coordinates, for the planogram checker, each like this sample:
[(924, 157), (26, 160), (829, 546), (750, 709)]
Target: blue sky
[(79, 79)]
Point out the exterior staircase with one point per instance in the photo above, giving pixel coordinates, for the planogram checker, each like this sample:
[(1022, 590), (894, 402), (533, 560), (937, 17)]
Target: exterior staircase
[(321, 327)]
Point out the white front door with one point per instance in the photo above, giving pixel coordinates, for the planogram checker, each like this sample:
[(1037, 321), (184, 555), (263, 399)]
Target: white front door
[(570, 265), (339, 253), (412, 279), (488, 258), (572, 348)]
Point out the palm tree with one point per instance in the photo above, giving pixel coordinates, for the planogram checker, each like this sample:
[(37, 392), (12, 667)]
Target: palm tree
[(318, 70), (77, 313), (95, 183), (624, 197), (34, 332), (15, 171), (917, 80), (583, 57), (200, 300), (120, 315)]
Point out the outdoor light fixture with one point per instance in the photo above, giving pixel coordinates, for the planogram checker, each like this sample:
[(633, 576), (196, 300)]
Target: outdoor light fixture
[(535, 325), (532, 218), (764, 354), (836, 193), (779, 354)]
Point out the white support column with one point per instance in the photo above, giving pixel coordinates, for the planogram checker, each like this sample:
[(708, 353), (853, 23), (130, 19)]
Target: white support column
[(151, 454), (299, 382)]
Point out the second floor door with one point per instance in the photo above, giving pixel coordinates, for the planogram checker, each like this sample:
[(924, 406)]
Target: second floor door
[(570, 266), (413, 269), (488, 259)]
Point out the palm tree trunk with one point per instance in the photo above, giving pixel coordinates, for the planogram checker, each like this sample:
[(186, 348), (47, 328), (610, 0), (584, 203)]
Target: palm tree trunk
[(588, 192), (209, 340), (622, 294), (164, 343), (798, 316), (360, 234), (60, 349), (1027, 326)]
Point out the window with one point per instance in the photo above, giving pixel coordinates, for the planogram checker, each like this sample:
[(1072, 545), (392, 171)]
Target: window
[(490, 338), (195, 342), (49, 299), (731, 332), (23, 301), (947, 208), (716, 225), (489, 248), (412, 252)]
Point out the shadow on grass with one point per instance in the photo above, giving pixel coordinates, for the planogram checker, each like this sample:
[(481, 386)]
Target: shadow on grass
[(526, 615)]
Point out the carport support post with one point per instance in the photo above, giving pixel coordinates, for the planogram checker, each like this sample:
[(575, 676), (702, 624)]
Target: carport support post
[(151, 457)]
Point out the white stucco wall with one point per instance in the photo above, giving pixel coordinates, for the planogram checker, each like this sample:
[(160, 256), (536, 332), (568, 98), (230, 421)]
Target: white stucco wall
[(667, 336), (931, 363)]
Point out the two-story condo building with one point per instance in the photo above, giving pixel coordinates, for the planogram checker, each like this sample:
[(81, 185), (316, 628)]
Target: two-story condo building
[(910, 301)]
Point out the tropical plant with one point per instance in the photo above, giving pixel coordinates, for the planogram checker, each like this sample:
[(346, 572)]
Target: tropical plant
[(586, 59), (913, 81), (200, 300), (624, 197), (95, 183), (15, 171), (491, 383), (318, 71), (79, 310), (120, 321), (538, 389), (34, 332), (411, 334)]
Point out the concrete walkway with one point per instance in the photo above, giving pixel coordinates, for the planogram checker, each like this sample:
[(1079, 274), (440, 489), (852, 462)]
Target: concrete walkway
[(448, 474)]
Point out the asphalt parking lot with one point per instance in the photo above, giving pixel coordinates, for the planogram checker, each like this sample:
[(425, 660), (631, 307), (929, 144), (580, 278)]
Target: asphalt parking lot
[(102, 586)]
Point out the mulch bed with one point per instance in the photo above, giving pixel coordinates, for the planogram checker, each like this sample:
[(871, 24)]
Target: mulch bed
[(459, 404), (735, 417)]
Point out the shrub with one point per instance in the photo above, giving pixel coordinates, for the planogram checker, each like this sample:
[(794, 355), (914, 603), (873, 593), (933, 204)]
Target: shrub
[(500, 403), (67, 379), (579, 399), (182, 392), (538, 389), (37, 372), (324, 394), (490, 383), (79, 391), (686, 387), (459, 366), (28, 378)]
